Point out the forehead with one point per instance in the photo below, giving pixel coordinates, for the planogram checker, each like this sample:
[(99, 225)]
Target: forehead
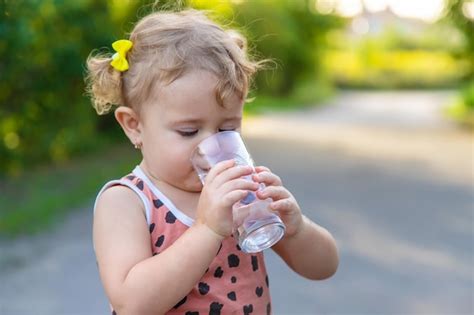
[(193, 96)]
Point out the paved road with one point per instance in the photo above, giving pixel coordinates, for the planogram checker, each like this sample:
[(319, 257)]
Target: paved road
[(397, 196)]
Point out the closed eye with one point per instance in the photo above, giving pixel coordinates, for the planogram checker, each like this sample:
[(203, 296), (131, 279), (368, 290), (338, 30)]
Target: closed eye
[(187, 133), (228, 129)]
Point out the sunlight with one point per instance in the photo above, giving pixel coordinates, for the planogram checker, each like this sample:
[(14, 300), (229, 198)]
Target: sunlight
[(375, 5), (325, 6), (425, 10), (349, 8), (468, 9), (360, 25)]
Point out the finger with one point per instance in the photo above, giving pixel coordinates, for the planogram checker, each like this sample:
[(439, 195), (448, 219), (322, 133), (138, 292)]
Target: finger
[(274, 192), (259, 169), (234, 196), (219, 168), (282, 205), (232, 173), (268, 178), (239, 184)]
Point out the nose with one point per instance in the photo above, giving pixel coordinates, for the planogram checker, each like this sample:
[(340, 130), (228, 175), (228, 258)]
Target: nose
[(199, 161)]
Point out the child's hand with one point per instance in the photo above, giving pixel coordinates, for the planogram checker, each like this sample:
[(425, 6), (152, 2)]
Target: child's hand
[(223, 187), (283, 201)]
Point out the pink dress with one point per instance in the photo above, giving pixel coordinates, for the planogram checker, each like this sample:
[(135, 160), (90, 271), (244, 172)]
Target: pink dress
[(234, 283)]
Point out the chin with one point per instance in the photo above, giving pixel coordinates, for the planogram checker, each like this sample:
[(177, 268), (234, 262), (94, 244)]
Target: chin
[(197, 188), (194, 186)]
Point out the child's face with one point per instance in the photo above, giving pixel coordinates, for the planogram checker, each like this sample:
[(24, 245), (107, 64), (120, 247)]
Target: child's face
[(176, 119)]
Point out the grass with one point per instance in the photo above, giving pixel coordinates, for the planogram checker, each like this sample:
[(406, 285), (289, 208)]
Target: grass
[(37, 200), (394, 69)]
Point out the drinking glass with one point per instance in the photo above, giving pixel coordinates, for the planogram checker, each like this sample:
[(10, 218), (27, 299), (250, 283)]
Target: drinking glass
[(255, 226)]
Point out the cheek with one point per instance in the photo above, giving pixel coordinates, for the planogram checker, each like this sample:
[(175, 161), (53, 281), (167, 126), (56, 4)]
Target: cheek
[(178, 159), (178, 170)]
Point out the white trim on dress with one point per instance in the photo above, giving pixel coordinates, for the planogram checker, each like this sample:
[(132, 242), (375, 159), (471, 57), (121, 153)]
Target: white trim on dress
[(129, 184), (168, 203)]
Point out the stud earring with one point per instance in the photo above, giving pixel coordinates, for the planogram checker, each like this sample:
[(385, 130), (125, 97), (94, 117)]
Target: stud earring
[(138, 145)]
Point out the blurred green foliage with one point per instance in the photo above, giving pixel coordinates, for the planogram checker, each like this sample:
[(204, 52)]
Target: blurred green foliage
[(462, 110), (369, 67), (43, 45), (45, 116), (398, 56), (290, 33), (465, 26)]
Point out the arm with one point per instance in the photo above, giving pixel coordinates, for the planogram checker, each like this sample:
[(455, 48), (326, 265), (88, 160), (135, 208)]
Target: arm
[(137, 282), (311, 251), (307, 248)]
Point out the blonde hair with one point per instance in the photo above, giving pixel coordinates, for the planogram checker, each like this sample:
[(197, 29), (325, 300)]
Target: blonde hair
[(165, 46)]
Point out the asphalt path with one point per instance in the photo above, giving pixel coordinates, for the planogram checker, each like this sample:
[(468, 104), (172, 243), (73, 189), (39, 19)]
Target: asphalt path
[(383, 172)]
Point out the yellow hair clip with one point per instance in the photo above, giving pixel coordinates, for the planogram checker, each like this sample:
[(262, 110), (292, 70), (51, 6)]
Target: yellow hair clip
[(119, 59)]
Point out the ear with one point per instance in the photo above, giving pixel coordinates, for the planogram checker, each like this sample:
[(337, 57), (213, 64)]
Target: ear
[(130, 123)]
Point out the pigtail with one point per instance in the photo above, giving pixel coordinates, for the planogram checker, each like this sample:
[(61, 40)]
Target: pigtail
[(238, 39), (103, 84)]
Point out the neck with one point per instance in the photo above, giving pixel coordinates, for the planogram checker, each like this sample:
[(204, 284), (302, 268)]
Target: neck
[(184, 200)]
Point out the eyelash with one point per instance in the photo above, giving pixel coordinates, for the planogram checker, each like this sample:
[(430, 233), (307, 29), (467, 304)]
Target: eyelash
[(188, 133), (192, 133)]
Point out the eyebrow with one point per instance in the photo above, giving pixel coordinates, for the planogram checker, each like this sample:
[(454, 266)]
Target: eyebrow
[(186, 121), (198, 120)]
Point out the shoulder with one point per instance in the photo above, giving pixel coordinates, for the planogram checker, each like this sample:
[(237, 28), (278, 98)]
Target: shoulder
[(119, 195), (118, 199)]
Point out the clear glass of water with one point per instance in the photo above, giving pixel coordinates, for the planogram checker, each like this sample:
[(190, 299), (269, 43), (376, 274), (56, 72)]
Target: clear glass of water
[(255, 226)]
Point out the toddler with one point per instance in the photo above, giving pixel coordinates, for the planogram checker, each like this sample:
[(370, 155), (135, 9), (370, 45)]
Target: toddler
[(162, 239)]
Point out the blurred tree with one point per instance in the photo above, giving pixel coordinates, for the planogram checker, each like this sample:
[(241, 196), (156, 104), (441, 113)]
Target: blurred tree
[(292, 34), (43, 46), (462, 109), (44, 114), (465, 25)]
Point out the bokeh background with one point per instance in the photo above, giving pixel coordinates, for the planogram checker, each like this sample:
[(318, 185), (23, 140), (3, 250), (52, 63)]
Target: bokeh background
[(366, 112)]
